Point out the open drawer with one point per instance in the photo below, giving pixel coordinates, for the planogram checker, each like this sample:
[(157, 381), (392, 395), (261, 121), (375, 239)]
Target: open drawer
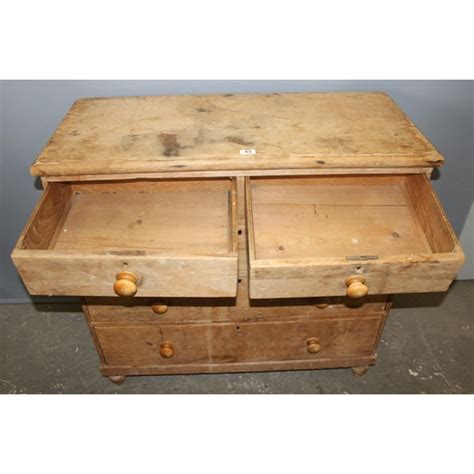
[(149, 238), (330, 236)]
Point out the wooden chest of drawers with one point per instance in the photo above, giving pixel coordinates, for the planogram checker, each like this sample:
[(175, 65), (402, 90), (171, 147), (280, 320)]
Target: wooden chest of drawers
[(236, 233)]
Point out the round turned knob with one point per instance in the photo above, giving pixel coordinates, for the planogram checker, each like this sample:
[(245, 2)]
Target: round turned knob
[(159, 308), (166, 350), (356, 287), (322, 303), (126, 283), (313, 346)]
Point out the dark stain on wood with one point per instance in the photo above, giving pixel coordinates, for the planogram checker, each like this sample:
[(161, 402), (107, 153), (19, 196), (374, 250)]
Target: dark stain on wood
[(129, 141), (238, 141), (133, 224), (170, 144), (344, 145), (200, 109), (320, 162), (141, 142), (127, 252)]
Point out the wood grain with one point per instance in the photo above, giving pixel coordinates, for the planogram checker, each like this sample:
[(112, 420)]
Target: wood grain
[(427, 207), (326, 277), (46, 219), (243, 173), (180, 238), (208, 336), (229, 367), (139, 346), (307, 235), (318, 220), (228, 253), (192, 133), (70, 273), (207, 310), (175, 223)]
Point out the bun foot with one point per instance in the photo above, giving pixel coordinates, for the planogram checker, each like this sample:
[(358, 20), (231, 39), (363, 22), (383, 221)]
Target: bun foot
[(117, 379), (360, 371)]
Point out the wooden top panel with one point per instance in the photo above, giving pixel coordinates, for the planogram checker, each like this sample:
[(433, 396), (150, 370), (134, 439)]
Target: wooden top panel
[(126, 135)]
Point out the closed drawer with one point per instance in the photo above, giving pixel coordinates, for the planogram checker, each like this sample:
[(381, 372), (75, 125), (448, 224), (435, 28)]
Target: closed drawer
[(331, 236), (200, 344), (150, 345), (149, 238), (199, 310)]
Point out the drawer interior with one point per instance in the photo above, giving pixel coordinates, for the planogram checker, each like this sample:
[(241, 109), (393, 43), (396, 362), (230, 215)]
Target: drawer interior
[(348, 217), (174, 217), (173, 238)]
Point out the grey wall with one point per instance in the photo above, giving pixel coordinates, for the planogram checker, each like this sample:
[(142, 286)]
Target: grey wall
[(31, 110), (467, 242)]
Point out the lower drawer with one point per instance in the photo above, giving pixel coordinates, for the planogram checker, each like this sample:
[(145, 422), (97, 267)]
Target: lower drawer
[(151, 345)]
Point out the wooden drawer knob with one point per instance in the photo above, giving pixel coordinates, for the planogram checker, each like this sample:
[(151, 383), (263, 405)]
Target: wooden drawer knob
[(356, 287), (166, 350), (322, 303), (126, 283), (159, 308), (313, 346)]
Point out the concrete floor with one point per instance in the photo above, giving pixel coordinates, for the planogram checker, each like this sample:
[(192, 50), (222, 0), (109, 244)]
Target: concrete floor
[(427, 347)]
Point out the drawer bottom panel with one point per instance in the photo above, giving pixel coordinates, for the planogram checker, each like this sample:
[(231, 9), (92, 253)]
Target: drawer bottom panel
[(208, 347)]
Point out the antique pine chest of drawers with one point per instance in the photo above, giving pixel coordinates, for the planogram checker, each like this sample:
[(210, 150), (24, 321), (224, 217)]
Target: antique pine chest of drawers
[(236, 232)]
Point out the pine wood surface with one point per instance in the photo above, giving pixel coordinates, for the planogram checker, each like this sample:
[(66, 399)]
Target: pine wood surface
[(178, 237), (314, 220), (238, 222), (126, 135), (209, 336), (246, 342), (178, 223), (307, 236), (123, 311)]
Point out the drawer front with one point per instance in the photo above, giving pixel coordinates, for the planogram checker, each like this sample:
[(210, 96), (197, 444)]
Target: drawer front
[(333, 236), (152, 238), (182, 310), (281, 341), (149, 345)]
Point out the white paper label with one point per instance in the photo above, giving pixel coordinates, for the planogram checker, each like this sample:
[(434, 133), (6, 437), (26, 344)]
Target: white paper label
[(248, 152)]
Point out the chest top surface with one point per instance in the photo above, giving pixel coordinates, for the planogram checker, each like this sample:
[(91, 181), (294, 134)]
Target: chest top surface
[(126, 135)]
